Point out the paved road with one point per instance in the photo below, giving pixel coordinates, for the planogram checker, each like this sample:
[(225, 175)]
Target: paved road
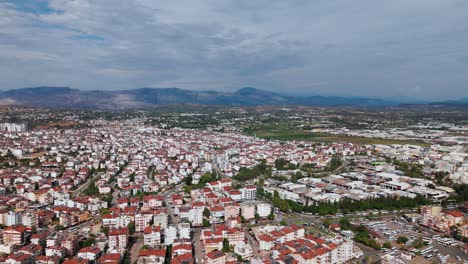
[(166, 195), (198, 246), (135, 250), (253, 243)]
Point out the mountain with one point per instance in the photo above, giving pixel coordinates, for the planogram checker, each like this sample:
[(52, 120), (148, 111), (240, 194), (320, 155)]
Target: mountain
[(459, 102), (65, 97)]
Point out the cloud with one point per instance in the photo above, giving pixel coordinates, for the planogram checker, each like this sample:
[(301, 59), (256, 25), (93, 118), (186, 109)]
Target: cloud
[(365, 47)]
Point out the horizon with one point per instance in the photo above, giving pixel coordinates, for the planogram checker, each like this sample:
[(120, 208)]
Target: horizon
[(401, 100), (360, 49)]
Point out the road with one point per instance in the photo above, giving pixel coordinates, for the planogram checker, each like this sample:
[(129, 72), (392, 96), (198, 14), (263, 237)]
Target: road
[(166, 198), (198, 246), (253, 243), (82, 187), (369, 252), (135, 249)]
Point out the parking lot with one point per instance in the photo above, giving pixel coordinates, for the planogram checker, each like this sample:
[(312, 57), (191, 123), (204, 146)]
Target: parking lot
[(435, 247)]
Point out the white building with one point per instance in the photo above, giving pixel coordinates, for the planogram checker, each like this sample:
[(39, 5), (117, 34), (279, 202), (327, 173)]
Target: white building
[(249, 192), (184, 230), (152, 236), (263, 210), (170, 235)]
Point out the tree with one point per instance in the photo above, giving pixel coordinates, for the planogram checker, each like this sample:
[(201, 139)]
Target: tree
[(326, 223), (131, 228), (334, 164), (281, 163), (283, 223), (226, 247), (271, 216), (206, 212), (87, 243), (345, 223), (257, 217), (168, 258), (260, 191), (91, 190), (105, 230), (296, 176), (242, 219), (206, 222), (387, 245), (402, 239)]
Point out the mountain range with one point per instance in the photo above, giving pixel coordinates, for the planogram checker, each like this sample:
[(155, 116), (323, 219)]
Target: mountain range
[(66, 97)]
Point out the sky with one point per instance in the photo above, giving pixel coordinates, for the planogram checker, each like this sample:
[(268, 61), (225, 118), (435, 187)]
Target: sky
[(414, 49)]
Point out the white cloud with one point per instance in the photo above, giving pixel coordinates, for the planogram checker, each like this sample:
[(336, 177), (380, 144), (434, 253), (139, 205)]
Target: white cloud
[(365, 47)]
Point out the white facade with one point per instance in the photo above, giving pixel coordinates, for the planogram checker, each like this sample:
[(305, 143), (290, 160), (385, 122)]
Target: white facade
[(170, 235), (263, 210)]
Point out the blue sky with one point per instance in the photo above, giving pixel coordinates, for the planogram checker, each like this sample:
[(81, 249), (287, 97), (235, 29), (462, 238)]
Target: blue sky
[(374, 48)]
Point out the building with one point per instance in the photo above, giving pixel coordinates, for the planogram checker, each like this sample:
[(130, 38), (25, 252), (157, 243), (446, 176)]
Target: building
[(184, 230), (142, 221), (14, 127), (151, 256), (215, 257), (152, 236), (170, 235), (463, 231), (89, 253), (160, 218), (14, 235), (118, 239), (266, 242), (12, 218), (248, 210), (263, 210), (249, 192), (231, 211)]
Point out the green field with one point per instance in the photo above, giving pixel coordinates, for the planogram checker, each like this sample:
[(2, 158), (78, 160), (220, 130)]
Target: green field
[(285, 132)]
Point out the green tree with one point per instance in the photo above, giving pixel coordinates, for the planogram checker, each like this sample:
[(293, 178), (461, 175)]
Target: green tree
[(206, 212), (271, 216), (402, 239), (257, 217), (105, 230), (91, 190), (281, 163), (226, 247), (131, 228), (345, 223), (87, 242)]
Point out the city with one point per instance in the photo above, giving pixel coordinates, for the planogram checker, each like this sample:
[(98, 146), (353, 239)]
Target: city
[(136, 190), (233, 132)]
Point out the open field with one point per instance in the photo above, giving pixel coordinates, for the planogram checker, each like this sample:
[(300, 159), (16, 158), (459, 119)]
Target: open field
[(35, 155), (285, 132), (364, 140)]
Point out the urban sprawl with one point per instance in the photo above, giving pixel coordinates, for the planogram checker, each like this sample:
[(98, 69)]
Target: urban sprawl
[(132, 191)]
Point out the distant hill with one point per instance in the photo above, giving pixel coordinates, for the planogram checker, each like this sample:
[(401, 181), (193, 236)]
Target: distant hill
[(460, 102), (65, 97)]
